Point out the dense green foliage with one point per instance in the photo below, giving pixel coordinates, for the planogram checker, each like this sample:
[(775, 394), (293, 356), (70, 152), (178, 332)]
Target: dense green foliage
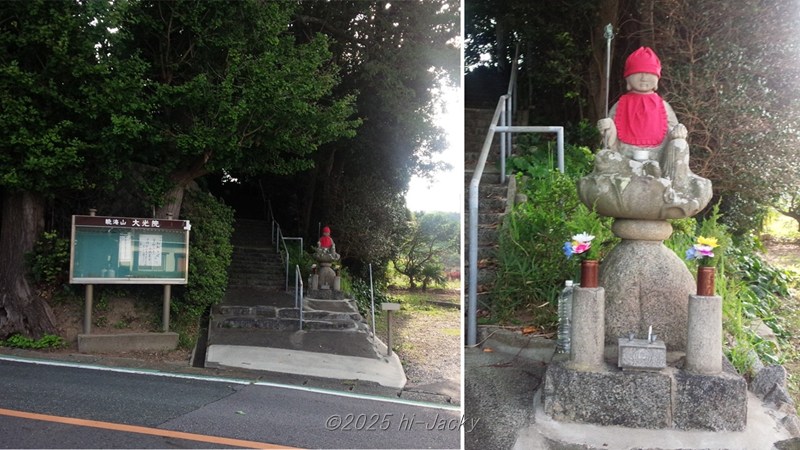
[(212, 227), (69, 112), (49, 261), (751, 291), (396, 55), (429, 239), (360, 291), (230, 89), (532, 266), (20, 341)]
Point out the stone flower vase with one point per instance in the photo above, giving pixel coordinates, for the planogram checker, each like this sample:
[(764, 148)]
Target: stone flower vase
[(705, 281), (589, 271)]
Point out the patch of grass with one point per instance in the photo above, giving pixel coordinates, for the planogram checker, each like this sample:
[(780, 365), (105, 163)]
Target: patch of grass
[(46, 341), (780, 227), (417, 301), (451, 331)]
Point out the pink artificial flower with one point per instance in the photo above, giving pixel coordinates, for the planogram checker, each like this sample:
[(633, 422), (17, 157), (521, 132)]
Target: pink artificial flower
[(580, 247)]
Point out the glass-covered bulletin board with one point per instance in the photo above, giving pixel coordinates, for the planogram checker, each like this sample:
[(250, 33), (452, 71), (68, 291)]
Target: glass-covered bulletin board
[(116, 250)]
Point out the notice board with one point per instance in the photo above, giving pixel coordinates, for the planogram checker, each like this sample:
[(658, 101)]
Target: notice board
[(120, 250)]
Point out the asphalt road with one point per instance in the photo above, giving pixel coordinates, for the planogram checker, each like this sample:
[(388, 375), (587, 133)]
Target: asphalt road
[(152, 410)]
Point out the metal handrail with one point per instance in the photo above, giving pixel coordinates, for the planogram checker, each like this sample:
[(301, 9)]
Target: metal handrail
[(502, 121), (279, 240), (298, 292)]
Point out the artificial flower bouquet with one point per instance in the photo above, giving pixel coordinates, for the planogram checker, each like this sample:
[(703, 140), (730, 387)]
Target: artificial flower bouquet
[(581, 245), (703, 251)]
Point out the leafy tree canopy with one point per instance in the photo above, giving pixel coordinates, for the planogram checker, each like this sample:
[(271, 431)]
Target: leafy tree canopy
[(395, 55), (231, 88), (69, 110), (429, 239)]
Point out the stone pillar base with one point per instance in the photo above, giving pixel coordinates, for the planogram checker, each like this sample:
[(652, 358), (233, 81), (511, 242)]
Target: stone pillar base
[(704, 335), (588, 331)]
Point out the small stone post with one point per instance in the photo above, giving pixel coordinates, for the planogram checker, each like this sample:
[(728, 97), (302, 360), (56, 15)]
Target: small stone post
[(704, 336), (588, 328)]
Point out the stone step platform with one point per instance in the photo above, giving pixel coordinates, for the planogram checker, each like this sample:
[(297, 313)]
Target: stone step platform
[(256, 283), (257, 296), (271, 318), (256, 273)]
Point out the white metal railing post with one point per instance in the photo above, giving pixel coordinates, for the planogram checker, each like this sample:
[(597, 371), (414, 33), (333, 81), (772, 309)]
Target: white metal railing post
[(298, 293), (508, 122), (560, 146), (502, 122), (372, 300), (503, 142), (474, 186)]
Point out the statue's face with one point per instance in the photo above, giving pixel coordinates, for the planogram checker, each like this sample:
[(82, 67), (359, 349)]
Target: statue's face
[(642, 82)]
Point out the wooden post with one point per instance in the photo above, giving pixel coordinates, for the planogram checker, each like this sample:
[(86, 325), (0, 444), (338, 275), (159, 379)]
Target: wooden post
[(167, 295), (87, 309)]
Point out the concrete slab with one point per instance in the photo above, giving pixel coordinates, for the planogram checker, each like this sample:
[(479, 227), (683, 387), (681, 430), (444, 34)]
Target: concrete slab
[(126, 342), (386, 371), (337, 342), (762, 432)]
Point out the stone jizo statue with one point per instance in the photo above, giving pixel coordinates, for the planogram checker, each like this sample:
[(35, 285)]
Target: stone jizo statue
[(643, 170), (325, 253), (326, 248)]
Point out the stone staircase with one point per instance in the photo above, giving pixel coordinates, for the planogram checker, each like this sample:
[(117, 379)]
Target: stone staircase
[(255, 262), (493, 198), (256, 298)]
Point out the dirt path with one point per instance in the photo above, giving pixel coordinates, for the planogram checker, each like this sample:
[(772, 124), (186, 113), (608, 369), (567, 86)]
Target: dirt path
[(786, 255)]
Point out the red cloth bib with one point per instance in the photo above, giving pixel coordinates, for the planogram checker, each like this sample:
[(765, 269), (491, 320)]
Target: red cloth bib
[(325, 242), (641, 119)]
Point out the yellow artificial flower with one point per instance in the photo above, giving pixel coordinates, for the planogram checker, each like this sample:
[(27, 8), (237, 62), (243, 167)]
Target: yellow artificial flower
[(709, 241)]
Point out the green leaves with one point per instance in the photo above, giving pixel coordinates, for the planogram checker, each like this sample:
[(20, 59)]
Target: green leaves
[(46, 341), (429, 238)]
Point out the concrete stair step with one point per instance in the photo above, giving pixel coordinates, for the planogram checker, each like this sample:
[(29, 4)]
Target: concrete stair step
[(331, 316), (487, 177), (254, 268), (488, 205), (256, 322), (265, 284)]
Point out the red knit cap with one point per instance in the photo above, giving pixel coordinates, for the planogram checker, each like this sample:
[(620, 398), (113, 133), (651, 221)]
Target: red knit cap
[(643, 60), (326, 230)]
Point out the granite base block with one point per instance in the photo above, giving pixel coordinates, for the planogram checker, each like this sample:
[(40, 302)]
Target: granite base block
[(611, 397), (669, 398), (710, 402)]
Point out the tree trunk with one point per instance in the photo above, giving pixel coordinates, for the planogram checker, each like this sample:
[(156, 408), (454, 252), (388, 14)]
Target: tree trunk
[(172, 203), (21, 310)]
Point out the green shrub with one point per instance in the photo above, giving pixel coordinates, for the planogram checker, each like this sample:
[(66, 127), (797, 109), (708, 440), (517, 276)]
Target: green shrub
[(532, 265), (210, 256), (359, 290), (536, 158), (750, 289), (48, 263), (46, 341)]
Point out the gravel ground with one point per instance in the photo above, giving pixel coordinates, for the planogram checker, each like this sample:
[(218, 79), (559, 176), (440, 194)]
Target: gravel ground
[(428, 341), (786, 255)]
